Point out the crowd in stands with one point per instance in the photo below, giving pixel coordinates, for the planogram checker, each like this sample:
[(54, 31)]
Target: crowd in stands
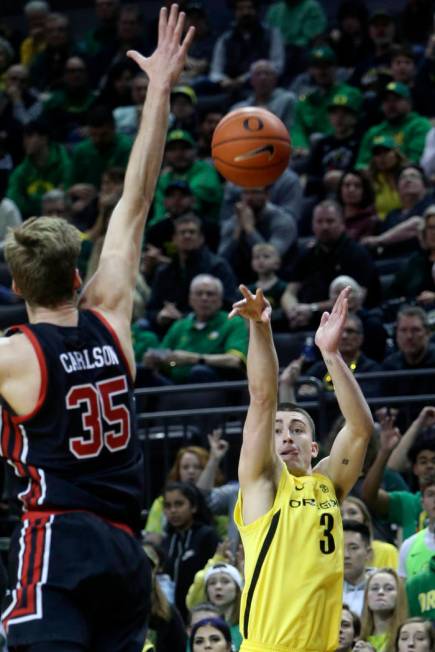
[(355, 207)]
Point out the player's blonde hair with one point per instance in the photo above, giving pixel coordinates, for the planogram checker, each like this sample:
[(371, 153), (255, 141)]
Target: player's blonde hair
[(42, 256)]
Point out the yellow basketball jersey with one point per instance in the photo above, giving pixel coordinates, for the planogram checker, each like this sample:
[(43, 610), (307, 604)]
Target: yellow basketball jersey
[(292, 597)]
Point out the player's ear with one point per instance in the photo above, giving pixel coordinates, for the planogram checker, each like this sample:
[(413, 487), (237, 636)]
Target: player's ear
[(314, 449), (77, 282), (16, 289)]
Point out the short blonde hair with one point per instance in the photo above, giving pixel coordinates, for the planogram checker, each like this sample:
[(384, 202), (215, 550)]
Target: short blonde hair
[(42, 256), (265, 248)]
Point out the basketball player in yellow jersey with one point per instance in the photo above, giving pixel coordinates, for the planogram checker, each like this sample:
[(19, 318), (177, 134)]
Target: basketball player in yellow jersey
[(288, 512)]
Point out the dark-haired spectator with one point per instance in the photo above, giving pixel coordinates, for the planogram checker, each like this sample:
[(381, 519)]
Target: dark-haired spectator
[(36, 13), (357, 552), (248, 40), (404, 69), (332, 252), (45, 166), (415, 279), (127, 117), (115, 88), (349, 37), (350, 627), (103, 149), (201, 49), (103, 33), (332, 154), (256, 220), (19, 101), (170, 287), (403, 508), (209, 631), (208, 121), (47, 69), (312, 114), (405, 126), (205, 346), (356, 196), (181, 163), (300, 23), (264, 81), (66, 108), (178, 200), (184, 109), (382, 33)]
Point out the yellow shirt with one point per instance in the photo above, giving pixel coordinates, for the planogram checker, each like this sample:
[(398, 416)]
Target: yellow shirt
[(385, 555), (292, 598), (386, 197)]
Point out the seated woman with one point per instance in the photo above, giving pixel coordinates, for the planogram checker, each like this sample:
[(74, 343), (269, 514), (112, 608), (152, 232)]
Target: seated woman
[(356, 196)]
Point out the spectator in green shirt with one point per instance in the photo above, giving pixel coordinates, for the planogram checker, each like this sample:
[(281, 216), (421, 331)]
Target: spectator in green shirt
[(102, 150), (181, 163), (205, 346), (420, 590), (406, 127), (46, 166)]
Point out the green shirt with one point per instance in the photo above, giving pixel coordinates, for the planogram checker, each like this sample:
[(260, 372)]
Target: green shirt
[(409, 134), (61, 100), (89, 163), (219, 335), (298, 23), (28, 183), (142, 341), (420, 590), (205, 185), (405, 509), (312, 116)]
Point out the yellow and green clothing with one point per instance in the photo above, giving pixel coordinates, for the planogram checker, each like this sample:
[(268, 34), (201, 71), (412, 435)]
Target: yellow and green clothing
[(387, 197), (89, 163), (312, 115), (293, 568), (29, 49), (420, 590), (385, 555), (218, 335), (156, 520), (379, 641), (409, 134), (299, 23), (142, 341), (405, 509)]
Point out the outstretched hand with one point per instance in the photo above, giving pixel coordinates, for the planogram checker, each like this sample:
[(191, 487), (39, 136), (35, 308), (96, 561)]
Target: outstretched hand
[(253, 307), (168, 60), (331, 326)]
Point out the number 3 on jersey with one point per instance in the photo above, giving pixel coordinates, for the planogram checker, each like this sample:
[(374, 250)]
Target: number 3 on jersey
[(327, 544), (96, 404)]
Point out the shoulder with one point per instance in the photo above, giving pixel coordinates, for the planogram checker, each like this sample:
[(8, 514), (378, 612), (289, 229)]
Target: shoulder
[(393, 361)]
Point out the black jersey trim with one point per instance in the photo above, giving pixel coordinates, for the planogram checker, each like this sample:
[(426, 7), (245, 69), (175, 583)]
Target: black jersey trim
[(258, 566), (108, 326)]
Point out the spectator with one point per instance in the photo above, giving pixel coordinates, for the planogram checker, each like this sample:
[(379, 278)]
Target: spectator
[(385, 609), (103, 149), (416, 551), (37, 13), (427, 160), (332, 154), (350, 626), (256, 220), (357, 552), (384, 169), (103, 34), (401, 507), (183, 109), (414, 352), (317, 266), (10, 217), (45, 166), (55, 203), (382, 33), (127, 117), (205, 346), (201, 50), (247, 41), (404, 70), (170, 286), (178, 201), (399, 460), (115, 89), (265, 263), (420, 593), (208, 121), (407, 128), (181, 163), (19, 101), (190, 539), (46, 71), (382, 553), (66, 108), (312, 116), (415, 633), (267, 93), (355, 194), (210, 632), (350, 37)]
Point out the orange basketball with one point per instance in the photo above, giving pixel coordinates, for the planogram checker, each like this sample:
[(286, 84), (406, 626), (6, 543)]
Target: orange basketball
[(251, 147)]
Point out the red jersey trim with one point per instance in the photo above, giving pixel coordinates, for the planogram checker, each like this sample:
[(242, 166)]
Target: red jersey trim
[(116, 339), (44, 374), (34, 514)]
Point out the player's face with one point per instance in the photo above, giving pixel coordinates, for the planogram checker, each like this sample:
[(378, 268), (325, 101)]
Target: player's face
[(356, 554), (351, 511), (413, 637), (382, 593), (190, 468), (210, 638), (294, 442), (429, 501), (178, 510), (347, 632), (221, 590), (424, 464)]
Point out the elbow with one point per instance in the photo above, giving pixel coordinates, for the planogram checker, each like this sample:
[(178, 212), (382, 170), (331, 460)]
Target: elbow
[(264, 397)]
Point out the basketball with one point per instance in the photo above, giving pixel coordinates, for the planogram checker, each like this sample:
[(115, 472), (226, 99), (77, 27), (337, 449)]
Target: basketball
[(251, 147)]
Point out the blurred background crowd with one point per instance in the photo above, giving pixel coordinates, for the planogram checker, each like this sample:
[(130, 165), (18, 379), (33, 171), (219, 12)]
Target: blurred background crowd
[(354, 82)]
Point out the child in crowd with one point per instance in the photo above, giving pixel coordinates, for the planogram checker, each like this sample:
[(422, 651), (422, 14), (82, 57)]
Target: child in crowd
[(266, 262), (190, 538)]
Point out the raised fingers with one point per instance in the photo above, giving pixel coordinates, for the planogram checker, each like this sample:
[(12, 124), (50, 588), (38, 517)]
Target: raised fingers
[(163, 23)]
